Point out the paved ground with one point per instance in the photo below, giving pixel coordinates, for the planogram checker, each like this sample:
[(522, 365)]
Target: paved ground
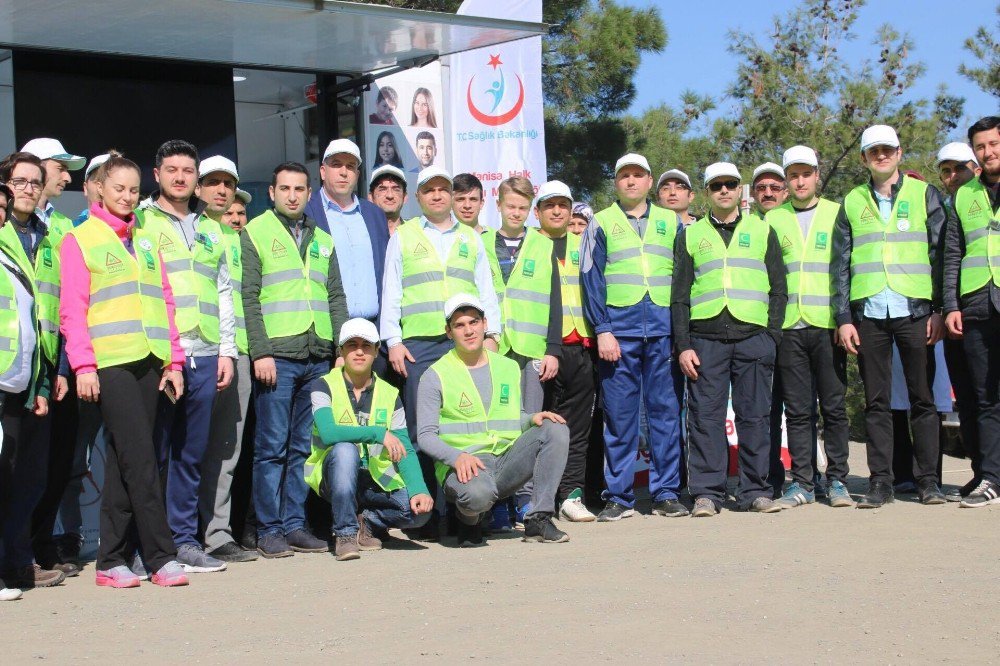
[(900, 585)]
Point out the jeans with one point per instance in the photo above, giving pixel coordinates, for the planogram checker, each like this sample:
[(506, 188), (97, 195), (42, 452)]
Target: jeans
[(350, 489), (281, 445)]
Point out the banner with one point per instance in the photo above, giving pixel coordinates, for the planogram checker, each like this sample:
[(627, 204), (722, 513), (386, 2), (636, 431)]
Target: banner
[(496, 124)]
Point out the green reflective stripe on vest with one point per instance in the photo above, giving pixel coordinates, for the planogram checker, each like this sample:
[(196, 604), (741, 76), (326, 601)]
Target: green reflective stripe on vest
[(980, 225), (733, 277), (807, 262), (10, 328), (234, 260), (428, 281), (465, 423), (637, 266), (375, 456), (293, 293), (526, 296), (889, 253)]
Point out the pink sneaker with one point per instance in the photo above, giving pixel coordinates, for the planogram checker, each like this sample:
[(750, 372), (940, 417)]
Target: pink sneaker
[(120, 576), (170, 574)]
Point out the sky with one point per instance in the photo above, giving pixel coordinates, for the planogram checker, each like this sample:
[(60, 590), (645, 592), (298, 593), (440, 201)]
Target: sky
[(696, 57)]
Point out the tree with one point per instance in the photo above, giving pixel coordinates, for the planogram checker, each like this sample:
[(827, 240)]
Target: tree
[(985, 48)]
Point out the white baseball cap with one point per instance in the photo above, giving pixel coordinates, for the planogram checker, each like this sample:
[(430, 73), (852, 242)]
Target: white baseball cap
[(94, 163), (720, 169), (243, 196), (387, 170), (52, 149), (799, 155), (345, 146), (768, 167), (430, 172), (632, 159), (459, 301), (358, 328), (553, 188), (879, 135), (673, 174), (218, 163), (956, 151)]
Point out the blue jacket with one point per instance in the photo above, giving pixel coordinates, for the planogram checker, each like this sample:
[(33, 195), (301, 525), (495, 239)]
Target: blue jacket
[(378, 230)]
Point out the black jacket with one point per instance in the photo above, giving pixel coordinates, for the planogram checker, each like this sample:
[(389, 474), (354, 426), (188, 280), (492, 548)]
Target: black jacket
[(977, 305)]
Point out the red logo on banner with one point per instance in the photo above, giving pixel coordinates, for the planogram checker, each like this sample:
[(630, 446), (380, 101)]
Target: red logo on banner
[(497, 90)]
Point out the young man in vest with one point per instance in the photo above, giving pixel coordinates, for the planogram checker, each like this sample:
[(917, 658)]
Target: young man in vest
[(293, 301), (626, 262), (728, 305), (972, 300), (58, 163), (194, 256), (467, 201), (218, 180), (810, 365), (674, 192), (886, 272), (362, 460), (571, 393), (387, 190), (429, 259), (472, 423)]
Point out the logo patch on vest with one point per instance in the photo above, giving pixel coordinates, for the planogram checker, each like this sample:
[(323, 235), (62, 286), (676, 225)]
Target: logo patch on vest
[(574, 257), (204, 240), (868, 215), (744, 239), (236, 257), (661, 227), (465, 405), (529, 268), (113, 264), (166, 244), (47, 257), (505, 394), (704, 246), (821, 240), (617, 230), (381, 417), (904, 209), (345, 418), (277, 249), (786, 242), (975, 210), (314, 250), (463, 250), (419, 250)]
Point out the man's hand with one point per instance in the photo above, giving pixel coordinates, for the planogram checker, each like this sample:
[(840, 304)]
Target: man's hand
[(422, 503), (935, 329), (41, 406), (689, 363), (62, 388), (549, 369), (538, 417), (338, 362), (266, 371), (467, 466), (176, 379), (395, 447), (224, 377), (607, 347), (849, 340), (491, 344), (88, 388), (954, 324), (398, 356)]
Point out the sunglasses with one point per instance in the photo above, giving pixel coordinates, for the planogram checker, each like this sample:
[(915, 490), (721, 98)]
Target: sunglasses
[(719, 184)]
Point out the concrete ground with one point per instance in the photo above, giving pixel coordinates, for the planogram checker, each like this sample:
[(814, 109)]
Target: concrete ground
[(903, 584)]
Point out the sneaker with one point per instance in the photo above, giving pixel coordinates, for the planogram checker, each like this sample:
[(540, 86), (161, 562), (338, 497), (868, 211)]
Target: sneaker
[(301, 541), (32, 576), (195, 560), (119, 577), (273, 545), (346, 548), (930, 493), (574, 510), (521, 511), (984, 494), (671, 508), (704, 508), (839, 495), (764, 505), (820, 488), (879, 493), (366, 540), (500, 517), (613, 511), (170, 574), (9, 594), (795, 496), (138, 567), (539, 527), (231, 552), (470, 536), (958, 494)]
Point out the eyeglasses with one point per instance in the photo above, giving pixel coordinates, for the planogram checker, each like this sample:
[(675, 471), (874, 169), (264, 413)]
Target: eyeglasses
[(719, 184), (764, 187), (673, 187), (20, 184)]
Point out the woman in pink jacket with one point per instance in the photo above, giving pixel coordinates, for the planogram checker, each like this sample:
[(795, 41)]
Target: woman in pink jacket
[(111, 301)]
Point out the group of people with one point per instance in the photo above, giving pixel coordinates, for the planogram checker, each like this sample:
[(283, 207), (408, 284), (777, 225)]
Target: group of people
[(396, 368)]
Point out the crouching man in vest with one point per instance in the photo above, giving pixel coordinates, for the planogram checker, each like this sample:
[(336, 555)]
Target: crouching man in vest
[(470, 422), (362, 460)]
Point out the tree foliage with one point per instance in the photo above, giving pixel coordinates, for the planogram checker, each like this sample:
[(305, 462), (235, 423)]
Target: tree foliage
[(985, 49)]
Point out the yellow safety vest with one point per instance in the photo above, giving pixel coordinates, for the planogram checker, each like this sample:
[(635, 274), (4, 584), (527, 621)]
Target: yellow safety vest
[(637, 266), (44, 277), (10, 328), (981, 226), (572, 291), (526, 295)]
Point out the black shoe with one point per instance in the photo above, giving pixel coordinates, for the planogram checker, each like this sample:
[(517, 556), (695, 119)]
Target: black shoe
[(230, 552), (879, 493), (273, 545), (613, 511), (430, 531), (958, 494), (470, 536), (540, 528), (249, 540), (301, 541), (672, 508), (929, 493)]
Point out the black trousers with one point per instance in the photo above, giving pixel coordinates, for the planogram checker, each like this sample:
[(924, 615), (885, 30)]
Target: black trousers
[(132, 499), (964, 387), (982, 348), (64, 416), (875, 364), (748, 365), (23, 470), (571, 394), (811, 367)]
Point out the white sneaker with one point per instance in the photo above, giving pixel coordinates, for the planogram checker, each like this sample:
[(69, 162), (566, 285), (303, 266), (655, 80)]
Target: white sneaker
[(575, 511), (9, 594)]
